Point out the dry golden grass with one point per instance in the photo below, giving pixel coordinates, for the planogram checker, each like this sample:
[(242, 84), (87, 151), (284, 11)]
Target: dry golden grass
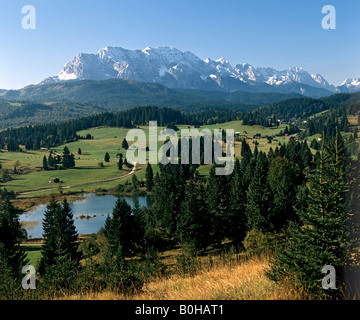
[(241, 281), (353, 120)]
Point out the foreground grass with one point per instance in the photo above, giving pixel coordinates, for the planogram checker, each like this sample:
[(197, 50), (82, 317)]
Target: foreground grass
[(239, 281)]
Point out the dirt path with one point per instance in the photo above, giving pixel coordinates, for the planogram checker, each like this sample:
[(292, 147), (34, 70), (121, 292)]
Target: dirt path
[(85, 183)]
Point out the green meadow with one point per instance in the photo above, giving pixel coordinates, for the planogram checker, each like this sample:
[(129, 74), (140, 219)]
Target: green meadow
[(30, 180)]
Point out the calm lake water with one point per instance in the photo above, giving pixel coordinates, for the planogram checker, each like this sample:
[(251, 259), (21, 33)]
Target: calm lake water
[(91, 205)]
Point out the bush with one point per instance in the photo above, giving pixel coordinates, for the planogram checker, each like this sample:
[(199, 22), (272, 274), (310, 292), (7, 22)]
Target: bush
[(187, 262), (119, 188), (259, 243), (60, 277), (152, 265)]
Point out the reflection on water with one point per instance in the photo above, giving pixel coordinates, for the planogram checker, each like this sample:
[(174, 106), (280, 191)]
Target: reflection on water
[(89, 213)]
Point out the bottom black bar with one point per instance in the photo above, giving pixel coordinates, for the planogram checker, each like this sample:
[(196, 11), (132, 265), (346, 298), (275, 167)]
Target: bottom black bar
[(170, 309)]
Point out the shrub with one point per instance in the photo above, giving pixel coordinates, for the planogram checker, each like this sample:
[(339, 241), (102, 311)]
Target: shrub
[(258, 243)]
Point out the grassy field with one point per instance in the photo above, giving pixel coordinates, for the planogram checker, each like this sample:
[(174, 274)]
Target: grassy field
[(229, 280), (31, 181), (33, 254)]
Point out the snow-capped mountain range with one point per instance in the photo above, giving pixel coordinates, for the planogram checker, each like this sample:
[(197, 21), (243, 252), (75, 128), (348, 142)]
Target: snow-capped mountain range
[(176, 69)]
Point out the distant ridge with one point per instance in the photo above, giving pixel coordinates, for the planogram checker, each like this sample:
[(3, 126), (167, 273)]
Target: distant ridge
[(173, 68)]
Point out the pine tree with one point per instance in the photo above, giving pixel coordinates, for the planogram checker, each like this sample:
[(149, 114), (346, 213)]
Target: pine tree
[(45, 164), (125, 144), (79, 151), (281, 180), (120, 163), (49, 248), (11, 236), (134, 181), (217, 198), (118, 227), (344, 124), (107, 157), (51, 162), (69, 241), (68, 160), (149, 176), (193, 225), (259, 207), (322, 238), (60, 236), (237, 217)]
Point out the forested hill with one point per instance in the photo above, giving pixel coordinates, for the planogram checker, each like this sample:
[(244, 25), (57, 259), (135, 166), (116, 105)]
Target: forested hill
[(50, 135), (302, 108), (121, 94), (38, 104)]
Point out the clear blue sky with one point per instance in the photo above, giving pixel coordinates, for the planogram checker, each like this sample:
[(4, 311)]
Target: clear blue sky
[(277, 33)]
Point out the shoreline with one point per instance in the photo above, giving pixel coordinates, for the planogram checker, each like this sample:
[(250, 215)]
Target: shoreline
[(29, 204)]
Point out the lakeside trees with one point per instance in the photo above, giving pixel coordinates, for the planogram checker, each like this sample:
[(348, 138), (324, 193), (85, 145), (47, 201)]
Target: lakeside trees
[(60, 256)]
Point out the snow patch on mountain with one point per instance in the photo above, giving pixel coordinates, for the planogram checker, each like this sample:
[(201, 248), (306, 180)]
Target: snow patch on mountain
[(176, 69)]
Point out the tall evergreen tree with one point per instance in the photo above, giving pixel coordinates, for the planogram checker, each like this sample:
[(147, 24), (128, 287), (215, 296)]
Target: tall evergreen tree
[(217, 198), (120, 163), (259, 206), (68, 159), (118, 228), (281, 180), (149, 176), (193, 223), (11, 236), (124, 144), (51, 162), (45, 164), (322, 238), (237, 217), (66, 225), (60, 236), (107, 157)]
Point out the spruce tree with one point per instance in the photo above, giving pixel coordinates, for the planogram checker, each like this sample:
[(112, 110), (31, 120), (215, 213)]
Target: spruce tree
[(281, 180), (107, 157), (11, 236), (51, 162), (118, 227), (259, 206), (45, 164), (217, 199), (69, 240), (125, 144), (237, 217), (120, 163), (193, 223), (49, 249), (149, 176), (322, 237), (68, 160), (60, 236), (134, 181)]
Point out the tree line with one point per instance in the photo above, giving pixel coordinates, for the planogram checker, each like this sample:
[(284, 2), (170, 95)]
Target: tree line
[(51, 135)]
